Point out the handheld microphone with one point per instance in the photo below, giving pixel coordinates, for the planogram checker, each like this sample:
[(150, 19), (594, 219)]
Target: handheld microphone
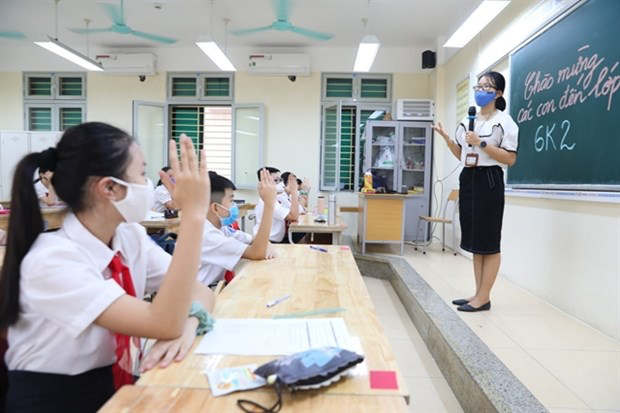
[(472, 116)]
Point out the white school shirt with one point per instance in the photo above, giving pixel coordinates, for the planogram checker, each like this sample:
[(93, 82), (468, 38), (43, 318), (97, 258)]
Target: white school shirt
[(278, 224), (219, 253), (161, 197), (65, 285), (500, 130), (285, 200), (42, 192)]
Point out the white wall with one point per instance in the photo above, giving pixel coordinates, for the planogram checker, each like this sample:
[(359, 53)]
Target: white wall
[(566, 252)]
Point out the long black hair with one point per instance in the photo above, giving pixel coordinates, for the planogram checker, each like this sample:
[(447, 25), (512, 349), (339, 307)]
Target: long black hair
[(87, 150), (164, 169), (500, 84)]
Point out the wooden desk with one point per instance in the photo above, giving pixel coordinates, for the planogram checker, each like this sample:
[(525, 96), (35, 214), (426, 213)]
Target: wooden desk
[(245, 210), (53, 216), (2, 252), (315, 280), (137, 399), (307, 224), (168, 225), (382, 219)]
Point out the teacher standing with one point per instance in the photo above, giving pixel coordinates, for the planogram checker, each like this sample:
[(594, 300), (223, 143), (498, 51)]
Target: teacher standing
[(483, 152)]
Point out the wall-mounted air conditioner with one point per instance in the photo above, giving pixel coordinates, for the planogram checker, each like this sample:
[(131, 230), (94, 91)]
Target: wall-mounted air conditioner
[(128, 64), (293, 64), (415, 109)]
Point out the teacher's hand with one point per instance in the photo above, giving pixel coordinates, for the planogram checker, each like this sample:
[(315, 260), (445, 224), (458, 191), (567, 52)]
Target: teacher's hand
[(472, 138), (440, 130)]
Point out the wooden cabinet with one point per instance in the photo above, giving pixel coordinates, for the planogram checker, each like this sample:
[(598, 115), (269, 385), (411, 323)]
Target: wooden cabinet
[(382, 219)]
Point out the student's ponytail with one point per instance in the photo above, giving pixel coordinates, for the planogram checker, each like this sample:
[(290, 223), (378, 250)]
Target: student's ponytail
[(25, 225)]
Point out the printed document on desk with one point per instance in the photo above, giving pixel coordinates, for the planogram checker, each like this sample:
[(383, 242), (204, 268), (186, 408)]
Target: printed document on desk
[(269, 337)]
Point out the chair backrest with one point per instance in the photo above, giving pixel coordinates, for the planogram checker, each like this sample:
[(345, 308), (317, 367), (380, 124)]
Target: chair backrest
[(453, 197)]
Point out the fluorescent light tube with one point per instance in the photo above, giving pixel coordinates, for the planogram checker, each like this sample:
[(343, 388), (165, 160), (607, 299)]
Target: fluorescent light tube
[(366, 53), (484, 13), (68, 53), (218, 57)]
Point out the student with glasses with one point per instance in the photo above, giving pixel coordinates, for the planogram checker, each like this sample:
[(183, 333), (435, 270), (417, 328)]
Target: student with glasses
[(483, 152)]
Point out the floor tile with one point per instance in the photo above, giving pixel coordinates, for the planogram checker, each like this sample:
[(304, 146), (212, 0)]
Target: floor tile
[(594, 376), (546, 388), (431, 395)]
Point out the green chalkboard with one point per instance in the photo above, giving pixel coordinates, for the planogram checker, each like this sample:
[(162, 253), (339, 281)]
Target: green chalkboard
[(565, 97)]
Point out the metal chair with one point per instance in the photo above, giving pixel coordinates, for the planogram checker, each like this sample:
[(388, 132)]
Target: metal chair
[(453, 197)]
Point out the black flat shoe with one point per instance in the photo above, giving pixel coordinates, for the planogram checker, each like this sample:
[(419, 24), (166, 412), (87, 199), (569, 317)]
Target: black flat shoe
[(460, 301), (469, 309)]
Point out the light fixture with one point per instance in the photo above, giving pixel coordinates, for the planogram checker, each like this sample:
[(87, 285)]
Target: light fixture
[(216, 54), (62, 50), (484, 13), (366, 52)]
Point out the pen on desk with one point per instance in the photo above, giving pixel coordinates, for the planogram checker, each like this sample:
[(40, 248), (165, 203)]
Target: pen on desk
[(277, 301), (318, 248)]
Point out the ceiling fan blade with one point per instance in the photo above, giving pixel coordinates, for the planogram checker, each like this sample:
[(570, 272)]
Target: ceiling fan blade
[(243, 32), (283, 8), (154, 37), (12, 35), (311, 33), (114, 12), (84, 31)]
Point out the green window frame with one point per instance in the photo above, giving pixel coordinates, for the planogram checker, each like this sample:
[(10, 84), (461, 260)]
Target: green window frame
[(372, 88), (191, 87), (52, 86)]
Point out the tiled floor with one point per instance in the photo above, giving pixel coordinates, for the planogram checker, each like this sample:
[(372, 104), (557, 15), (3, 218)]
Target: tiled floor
[(429, 390), (569, 366)]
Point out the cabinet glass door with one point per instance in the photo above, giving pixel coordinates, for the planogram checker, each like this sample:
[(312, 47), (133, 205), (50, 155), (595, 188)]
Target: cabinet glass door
[(383, 154), (413, 158)]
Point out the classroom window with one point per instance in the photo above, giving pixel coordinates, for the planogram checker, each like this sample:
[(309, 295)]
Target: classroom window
[(54, 101), (52, 86), (348, 101), (200, 87), (43, 117), (210, 128), (356, 87), (342, 144)]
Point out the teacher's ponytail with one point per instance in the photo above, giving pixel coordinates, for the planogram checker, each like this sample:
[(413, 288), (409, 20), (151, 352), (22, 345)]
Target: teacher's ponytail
[(500, 84), (500, 103)]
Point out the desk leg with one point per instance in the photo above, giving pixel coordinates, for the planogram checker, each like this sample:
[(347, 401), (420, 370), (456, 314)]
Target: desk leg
[(243, 223), (336, 238), (290, 237)]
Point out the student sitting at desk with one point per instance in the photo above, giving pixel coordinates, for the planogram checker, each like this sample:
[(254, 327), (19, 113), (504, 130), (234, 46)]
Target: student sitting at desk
[(163, 199), (72, 299), (285, 197), (282, 215), (222, 248), (44, 188)]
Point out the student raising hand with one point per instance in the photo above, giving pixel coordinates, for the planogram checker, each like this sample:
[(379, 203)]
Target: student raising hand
[(192, 189), (267, 187)]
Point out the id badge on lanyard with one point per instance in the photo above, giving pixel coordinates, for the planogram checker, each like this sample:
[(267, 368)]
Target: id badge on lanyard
[(471, 159)]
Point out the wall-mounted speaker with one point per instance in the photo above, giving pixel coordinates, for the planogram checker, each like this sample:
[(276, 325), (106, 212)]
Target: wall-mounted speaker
[(428, 59)]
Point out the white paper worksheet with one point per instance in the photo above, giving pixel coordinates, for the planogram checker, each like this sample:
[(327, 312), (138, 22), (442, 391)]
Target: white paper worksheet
[(269, 337)]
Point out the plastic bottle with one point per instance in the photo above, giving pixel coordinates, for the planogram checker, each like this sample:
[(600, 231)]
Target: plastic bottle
[(320, 205), (331, 210)]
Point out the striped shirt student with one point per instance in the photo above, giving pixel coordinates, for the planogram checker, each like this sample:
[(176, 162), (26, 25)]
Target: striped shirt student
[(72, 299)]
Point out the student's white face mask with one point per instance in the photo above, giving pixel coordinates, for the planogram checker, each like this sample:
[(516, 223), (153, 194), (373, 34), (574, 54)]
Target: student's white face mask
[(280, 187), (137, 202)]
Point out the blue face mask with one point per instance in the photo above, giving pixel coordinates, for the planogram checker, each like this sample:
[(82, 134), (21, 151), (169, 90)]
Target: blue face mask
[(232, 216), (484, 98)]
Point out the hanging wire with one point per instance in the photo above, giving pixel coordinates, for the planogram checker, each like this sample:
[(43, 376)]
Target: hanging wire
[(226, 21), (211, 18), (87, 21), (56, 19)]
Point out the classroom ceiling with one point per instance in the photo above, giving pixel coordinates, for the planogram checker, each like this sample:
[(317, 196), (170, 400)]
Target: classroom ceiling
[(397, 23)]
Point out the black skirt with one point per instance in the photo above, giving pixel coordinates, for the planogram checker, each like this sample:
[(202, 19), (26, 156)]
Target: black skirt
[(481, 208), (31, 392)]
